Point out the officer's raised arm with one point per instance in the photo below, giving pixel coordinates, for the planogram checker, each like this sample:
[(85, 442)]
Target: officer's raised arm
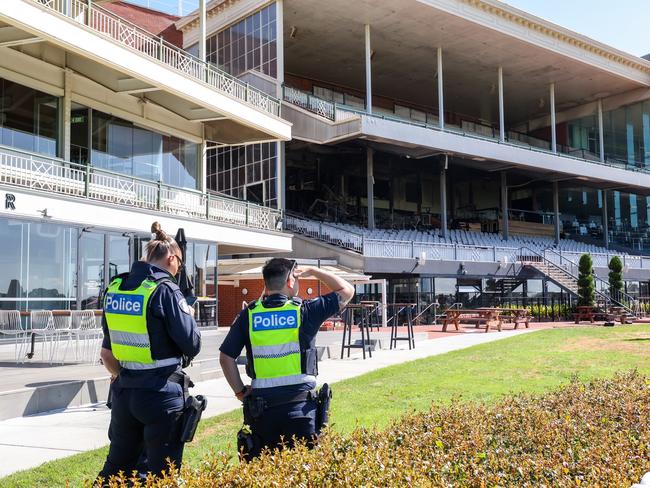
[(342, 288)]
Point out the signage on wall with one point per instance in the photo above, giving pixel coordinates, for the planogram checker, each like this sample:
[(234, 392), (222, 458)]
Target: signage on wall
[(10, 201)]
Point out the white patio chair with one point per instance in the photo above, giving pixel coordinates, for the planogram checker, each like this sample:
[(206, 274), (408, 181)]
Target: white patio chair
[(42, 323), (85, 332), (11, 326)]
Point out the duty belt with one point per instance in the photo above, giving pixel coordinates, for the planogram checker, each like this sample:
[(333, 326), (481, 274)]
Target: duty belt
[(303, 396)]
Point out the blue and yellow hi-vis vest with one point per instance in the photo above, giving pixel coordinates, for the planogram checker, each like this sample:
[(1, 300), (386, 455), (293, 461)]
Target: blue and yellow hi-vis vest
[(275, 345), (125, 312)]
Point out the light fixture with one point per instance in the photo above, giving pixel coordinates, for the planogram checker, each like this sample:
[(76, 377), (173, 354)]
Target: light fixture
[(292, 32), (244, 291), (309, 291), (541, 103), (44, 214)]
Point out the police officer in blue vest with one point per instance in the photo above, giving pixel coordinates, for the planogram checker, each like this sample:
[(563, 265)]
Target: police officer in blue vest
[(148, 329), (279, 335)]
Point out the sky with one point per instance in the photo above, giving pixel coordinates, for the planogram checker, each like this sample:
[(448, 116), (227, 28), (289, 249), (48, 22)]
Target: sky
[(623, 24)]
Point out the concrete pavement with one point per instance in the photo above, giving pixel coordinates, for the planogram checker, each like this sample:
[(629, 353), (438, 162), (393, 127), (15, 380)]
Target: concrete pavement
[(26, 442)]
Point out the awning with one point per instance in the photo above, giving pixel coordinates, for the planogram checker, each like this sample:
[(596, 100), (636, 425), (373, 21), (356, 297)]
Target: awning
[(231, 271)]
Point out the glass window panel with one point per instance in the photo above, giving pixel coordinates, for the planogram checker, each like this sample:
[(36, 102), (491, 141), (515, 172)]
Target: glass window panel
[(91, 253), (13, 235), (52, 265)]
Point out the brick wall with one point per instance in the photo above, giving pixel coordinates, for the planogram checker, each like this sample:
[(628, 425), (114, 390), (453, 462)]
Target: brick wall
[(231, 297), (158, 23)]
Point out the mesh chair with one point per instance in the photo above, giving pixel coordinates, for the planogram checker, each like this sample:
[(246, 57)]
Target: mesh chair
[(11, 326), (42, 322)]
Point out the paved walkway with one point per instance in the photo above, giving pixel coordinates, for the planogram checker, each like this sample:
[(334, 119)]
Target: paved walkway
[(27, 442)]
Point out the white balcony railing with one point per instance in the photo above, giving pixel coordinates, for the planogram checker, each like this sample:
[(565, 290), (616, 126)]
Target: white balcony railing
[(107, 24), (26, 170)]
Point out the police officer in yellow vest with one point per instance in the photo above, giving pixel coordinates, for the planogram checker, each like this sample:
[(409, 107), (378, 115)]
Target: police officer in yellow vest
[(148, 328), (279, 334)]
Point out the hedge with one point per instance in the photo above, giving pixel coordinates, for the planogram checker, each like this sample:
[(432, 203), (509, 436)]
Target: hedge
[(595, 434)]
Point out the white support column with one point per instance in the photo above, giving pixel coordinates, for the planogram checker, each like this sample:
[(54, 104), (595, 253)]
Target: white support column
[(279, 20), (505, 231), (66, 116), (502, 128), (368, 72), (280, 177), (180, 8), (370, 179), (601, 136), (203, 161), (202, 30), (441, 98), (605, 220), (443, 198), (556, 210), (553, 128)]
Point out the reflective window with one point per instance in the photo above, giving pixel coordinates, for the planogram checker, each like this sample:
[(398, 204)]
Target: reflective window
[(13, 235), (251, 44), (28, 118), (122, 147), (245, 172), (52, 258), (119, 259), (91, 253)]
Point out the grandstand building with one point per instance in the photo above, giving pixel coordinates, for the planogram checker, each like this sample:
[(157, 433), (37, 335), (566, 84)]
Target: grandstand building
[(455, 148), (463, 150)]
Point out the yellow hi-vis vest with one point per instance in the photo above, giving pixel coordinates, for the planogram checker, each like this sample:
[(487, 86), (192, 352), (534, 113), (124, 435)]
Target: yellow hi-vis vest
[(125, 312), (275, 345)]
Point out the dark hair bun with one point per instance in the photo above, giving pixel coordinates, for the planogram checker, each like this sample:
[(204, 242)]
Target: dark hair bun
[(157, 230)]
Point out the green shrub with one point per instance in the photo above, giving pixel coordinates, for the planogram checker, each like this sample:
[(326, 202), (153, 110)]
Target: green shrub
[(595, 434), (586, 286), (615, 276)]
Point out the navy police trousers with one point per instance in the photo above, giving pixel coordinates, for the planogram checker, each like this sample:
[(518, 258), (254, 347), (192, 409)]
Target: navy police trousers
[(278, 425), (144, 429)]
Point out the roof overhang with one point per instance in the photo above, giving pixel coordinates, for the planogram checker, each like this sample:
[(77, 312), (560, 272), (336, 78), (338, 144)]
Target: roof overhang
[(71, 44), (232, 271), (325, 41)]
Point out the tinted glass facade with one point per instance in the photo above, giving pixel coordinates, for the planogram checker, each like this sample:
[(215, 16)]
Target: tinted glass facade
[(246, 172), (28, 118), (250, 44), (60, 267)]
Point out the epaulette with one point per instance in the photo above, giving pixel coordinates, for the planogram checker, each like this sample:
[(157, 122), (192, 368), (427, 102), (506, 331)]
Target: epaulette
[(252, 304), (296, 300)]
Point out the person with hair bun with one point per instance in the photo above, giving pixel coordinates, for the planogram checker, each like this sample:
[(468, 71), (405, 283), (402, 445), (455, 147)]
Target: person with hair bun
[(148, 329)]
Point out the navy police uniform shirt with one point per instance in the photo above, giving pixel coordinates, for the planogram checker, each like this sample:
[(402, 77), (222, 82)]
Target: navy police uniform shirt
[(172, 330), (312, 314)]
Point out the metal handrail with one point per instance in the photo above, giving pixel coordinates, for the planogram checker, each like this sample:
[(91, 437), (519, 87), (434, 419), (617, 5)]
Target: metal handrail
[(23, 169), (607, 297), (127, 34), (621, 298)]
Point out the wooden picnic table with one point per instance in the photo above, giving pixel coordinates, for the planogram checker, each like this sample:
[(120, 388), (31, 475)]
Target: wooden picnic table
[(584, 312), (618, 314), (489, 316)]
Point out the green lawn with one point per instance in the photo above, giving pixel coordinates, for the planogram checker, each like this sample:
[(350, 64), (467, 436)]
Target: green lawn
[(532, 362)]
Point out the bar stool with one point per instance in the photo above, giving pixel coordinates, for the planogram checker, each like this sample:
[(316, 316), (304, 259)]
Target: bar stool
[(407, 309), (348, 323)]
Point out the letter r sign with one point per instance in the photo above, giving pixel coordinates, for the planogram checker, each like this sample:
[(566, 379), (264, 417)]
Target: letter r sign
[(10, 199)]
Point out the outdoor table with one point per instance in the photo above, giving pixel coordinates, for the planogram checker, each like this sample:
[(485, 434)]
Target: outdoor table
[(585, 312), (618, 313), (398, 308), (364, 326), (491, 316), (55, 313)]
